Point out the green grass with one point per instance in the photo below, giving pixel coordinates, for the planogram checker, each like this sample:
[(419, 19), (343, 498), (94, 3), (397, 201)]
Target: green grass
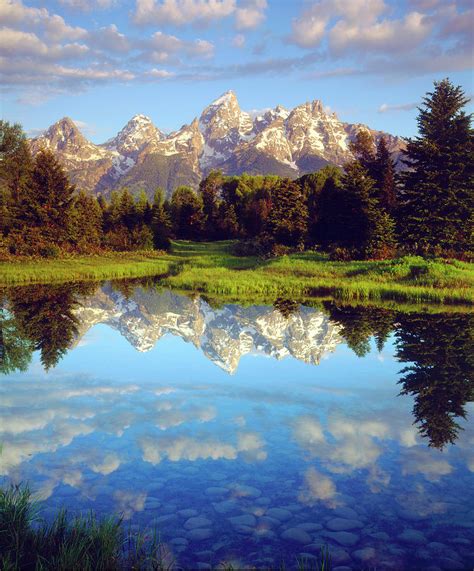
[(212, 269), (83, 268), (28, 542)]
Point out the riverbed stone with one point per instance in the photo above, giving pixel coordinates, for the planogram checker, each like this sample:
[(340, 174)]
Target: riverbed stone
[(225, 506), (216, 491), (310, 526), (380, 535), (342, 524), (410, 514), (180, 541), (345, 538), (297, 535), (164, 519), (315, 547), (279, 513), (339, 555), (244, 529), (448, 564), (345, 512), (267, 522), (364, 555), (155, 486), (199, 534), (203, 565), (243, 491), (263, 501), (412, 536), (247, 519), (187, 513), (195, 522)]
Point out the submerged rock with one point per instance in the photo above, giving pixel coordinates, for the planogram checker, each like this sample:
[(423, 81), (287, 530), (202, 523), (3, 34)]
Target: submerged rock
[(279, 513), (364, 555), (247, 519), (296, 534), (342, 524), (343, 537), (199, 534), (188, 513), (194, 522), (412, 536)]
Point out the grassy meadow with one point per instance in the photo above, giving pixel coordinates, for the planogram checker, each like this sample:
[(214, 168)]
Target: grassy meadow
[(211, 268)]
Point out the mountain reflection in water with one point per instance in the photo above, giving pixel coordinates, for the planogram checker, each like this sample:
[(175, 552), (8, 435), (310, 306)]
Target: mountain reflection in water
[(437, 348), (270, 431)]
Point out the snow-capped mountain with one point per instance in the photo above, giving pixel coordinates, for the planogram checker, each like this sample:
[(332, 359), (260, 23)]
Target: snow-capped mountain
[(279, 141), (136, 134), (224, 335)]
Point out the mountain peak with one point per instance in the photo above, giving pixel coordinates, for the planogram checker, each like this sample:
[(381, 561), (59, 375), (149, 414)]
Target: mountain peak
[(140, 118), (226, 98), (138, 132)]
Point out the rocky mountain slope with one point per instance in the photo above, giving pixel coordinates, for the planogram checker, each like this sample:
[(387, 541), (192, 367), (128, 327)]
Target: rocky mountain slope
[(224, 335), (280, 141)]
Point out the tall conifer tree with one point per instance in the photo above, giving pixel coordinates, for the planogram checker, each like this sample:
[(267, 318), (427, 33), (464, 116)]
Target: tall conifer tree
[(437, 201)]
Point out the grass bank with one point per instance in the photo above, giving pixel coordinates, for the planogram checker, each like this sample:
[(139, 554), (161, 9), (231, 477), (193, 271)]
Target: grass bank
[(211, 268), (28, 542), (83, 268)]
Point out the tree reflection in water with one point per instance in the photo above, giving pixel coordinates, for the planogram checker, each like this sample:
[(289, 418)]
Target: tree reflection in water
[(436, 348), (40, 318)]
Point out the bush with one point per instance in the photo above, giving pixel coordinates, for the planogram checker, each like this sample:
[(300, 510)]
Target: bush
[(260, 246), (341, 254), (50, 251)]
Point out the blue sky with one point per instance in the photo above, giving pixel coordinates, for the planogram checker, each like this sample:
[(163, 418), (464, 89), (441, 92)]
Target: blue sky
[(102, 61)]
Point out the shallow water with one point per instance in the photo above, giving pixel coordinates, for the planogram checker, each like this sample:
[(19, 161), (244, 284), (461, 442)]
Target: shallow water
[(251, 435)]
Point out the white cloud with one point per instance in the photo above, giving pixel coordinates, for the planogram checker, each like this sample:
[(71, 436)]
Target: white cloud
[(386, 108), (318, 488), (238, 41), (182, 12), (110, 39), (250, 14), (14, 13), (107, 465), (168, 44), (88, 5), (385, 36)]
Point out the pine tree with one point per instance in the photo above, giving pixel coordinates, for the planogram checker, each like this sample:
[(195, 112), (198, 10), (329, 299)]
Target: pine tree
[(186, 213), (384, 176), (364, 226), (47, 204), (287, 222), (330, 225), (210, 188), (363, 148), (86, 223), (160, 223), (141, 205), (15, 160), (228, 222), (438, 195), (127, 212)]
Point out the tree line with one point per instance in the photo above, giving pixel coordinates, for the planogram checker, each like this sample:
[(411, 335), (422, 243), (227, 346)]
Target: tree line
[(367, 210)]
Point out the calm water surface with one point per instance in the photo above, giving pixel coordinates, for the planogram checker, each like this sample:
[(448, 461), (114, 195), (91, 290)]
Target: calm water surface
[(246, 434)]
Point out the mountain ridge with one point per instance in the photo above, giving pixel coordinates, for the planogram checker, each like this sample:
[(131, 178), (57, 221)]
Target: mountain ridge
[(287, 142)]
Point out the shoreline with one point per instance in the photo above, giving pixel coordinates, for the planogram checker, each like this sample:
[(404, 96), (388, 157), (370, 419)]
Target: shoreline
[(212, 269)]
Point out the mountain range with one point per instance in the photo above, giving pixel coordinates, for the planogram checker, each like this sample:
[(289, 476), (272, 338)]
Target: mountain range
[(278, 141), (223, 335)]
